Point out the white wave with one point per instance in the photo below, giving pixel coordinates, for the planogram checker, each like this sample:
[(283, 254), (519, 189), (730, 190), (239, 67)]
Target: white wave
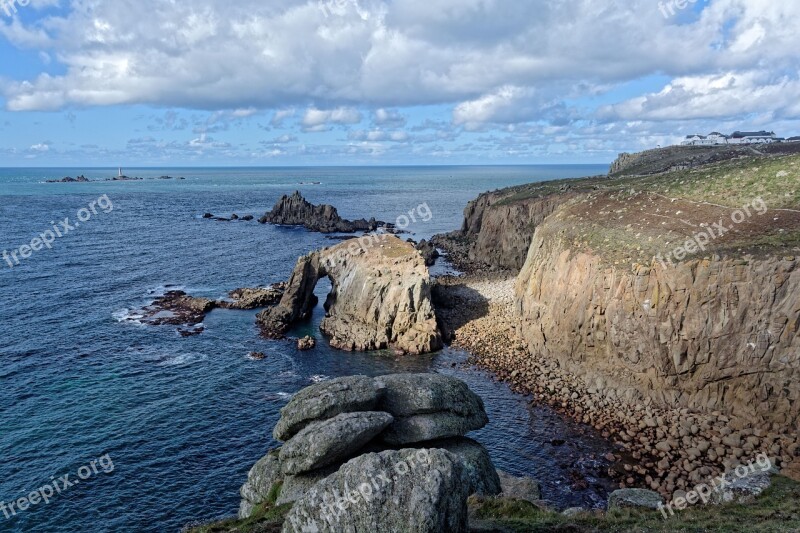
[(319, 378), (128, 315), (182, 359)]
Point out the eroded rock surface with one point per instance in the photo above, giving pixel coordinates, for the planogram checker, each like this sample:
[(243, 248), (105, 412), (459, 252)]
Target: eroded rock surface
[(323, 443), (428, 407), (380, 299), (419, 491), (326, 400), (295, 210)]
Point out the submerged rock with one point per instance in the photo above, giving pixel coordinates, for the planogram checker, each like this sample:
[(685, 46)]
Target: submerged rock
[(421, 491)]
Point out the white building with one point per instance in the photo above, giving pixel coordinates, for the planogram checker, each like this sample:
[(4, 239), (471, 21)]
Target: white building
[(754, 137), (739, 137)]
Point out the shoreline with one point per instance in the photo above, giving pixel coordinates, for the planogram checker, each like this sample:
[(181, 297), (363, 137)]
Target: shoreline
[(669, 450)]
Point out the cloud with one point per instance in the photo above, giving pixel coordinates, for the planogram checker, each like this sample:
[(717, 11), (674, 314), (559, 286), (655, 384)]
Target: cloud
[(212, 55), (388, 117), (713, 97), (40, 147), (316, 120)]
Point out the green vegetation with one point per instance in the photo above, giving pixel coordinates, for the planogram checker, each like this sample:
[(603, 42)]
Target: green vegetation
[(777, 510), (735, 183), (266, 518)]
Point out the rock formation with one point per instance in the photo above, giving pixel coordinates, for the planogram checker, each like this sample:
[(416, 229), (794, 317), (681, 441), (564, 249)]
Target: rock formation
[(335, 436), (707, 334), (380, 298), (430, 498), (498, 226), (295, 210)]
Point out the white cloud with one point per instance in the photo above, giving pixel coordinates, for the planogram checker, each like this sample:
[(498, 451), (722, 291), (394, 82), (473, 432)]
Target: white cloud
[(321, 120)]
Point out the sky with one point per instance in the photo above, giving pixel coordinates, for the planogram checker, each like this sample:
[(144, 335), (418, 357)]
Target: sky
[(393, 82)]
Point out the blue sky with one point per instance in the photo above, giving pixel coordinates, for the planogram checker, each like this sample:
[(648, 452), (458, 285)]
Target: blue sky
[(368, 82)]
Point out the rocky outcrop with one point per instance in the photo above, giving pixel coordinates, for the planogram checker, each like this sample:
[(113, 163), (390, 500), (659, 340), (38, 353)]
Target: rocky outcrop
[(68, 179), (498, 226), (712, 334), (335, 432), (429, 252), (635, 499), (380, 298), (177, 308), (323, 443), (520, 488), (326, 400), (428, 407), (430, 497), (295, 210), (253, 298)]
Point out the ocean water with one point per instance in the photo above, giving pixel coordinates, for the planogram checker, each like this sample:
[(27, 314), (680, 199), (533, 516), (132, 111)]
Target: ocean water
[(183, 419)]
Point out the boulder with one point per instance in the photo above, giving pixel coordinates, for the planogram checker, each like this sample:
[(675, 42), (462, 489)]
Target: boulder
[(326, 400), (295, 487), (416, 491), (483, 478), (634, 499), (323, 443), (428, 407), (260, 481), (421, 428), (741, 490), (428, 251), (306, 343), (520, 488)]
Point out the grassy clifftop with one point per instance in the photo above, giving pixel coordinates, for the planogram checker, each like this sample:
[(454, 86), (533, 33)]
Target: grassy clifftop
[(731, 208)]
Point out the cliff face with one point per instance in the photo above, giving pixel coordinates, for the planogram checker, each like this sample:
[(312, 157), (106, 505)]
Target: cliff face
[(710, 334), (500, 233), (380, 298)]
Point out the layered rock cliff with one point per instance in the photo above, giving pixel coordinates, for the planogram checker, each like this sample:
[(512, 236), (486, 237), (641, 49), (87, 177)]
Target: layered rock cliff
[(380, 297)]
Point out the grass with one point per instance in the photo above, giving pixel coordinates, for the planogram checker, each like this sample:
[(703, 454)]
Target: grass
[(631, 220), (266, 518), (777, 510), (735, 183)]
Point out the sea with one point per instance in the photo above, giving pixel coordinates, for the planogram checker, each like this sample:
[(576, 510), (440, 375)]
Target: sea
[(134, 428)]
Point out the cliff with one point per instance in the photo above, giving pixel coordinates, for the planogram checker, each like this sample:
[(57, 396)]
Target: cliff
[(380, 297), (295, 210), (684, 289), (498, 226)]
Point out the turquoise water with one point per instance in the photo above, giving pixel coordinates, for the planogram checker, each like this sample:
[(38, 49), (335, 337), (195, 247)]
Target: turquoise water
[(183, 419)]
